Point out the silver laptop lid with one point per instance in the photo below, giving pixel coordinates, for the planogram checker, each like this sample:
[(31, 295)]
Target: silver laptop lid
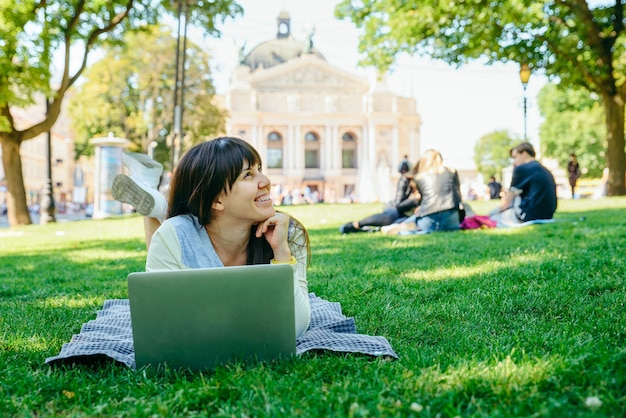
[(202, 318)]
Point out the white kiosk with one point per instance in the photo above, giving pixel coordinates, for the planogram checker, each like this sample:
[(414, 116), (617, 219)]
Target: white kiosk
[(108, 164)]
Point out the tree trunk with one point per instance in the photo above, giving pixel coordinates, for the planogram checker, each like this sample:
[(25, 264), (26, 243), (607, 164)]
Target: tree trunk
[(616, 154), (17, 210)]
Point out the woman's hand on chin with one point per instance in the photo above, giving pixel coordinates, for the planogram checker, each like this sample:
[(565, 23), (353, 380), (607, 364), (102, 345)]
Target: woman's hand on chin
[(275, 229)]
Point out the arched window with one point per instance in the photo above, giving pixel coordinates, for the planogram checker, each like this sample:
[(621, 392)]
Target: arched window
[(274, 136), (348, 151), (274, 150), (311, 150)]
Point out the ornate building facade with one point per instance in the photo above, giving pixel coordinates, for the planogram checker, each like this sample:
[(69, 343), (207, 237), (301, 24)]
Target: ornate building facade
[(319, 127)]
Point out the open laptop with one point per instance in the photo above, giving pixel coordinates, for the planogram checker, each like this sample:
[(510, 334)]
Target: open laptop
[(199, 319)]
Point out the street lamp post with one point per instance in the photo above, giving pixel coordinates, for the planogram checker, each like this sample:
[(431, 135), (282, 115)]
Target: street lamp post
[(524, 75), (179, 84), (47, 208)]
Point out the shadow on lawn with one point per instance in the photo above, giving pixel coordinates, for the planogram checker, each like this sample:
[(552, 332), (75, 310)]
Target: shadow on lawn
[(93, 267)]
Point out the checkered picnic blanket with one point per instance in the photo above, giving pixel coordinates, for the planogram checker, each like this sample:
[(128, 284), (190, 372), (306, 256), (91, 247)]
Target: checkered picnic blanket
[(110, 335)]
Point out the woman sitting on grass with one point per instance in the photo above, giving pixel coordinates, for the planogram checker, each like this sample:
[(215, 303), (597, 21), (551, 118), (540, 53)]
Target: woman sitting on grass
[(401, 207), (440, 197), (220, 214)]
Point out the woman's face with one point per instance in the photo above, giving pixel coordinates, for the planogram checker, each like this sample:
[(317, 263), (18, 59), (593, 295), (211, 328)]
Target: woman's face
[(249, 198)]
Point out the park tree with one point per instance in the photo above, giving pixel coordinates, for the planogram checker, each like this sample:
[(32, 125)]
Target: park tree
[(33, 32), (573, 123), (128, 92), (577, 43), (492, 152)]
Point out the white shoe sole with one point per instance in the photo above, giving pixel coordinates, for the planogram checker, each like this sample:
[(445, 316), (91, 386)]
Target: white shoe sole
[(124, 189)]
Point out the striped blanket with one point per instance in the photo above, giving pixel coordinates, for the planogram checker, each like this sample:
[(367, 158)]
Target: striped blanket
[(110, 335)]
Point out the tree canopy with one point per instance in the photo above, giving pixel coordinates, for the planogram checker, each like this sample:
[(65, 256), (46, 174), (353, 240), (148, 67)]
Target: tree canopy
[(129, 93), (573, 42), (492, 152), (32, 32), (573, 123)]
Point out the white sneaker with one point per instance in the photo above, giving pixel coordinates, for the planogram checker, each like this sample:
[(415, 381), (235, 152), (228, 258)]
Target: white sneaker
[(146, 200), (143, 168)]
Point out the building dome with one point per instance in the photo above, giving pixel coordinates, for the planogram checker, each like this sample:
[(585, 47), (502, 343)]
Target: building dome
[(281, 49)]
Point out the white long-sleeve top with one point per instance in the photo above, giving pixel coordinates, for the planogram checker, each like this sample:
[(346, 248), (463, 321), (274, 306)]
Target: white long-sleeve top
[(182, 243)]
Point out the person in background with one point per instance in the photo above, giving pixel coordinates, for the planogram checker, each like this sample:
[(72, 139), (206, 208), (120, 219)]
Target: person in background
[(440, 205), (396, 210), (532, 195), (573, 171), (220, 213), (404, 163), (495, 188)]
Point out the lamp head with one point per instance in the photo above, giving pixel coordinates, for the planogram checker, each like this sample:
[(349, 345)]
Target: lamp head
[(524, 74)]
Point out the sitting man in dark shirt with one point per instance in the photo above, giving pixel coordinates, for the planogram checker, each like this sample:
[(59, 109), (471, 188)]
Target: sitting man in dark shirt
[(532, 194)]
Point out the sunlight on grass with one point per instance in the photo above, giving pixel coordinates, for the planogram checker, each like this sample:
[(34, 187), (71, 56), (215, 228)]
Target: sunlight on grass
[(11, 234), (86, 256), (502, 377), (22, 343), (75, 301), (469, 272), (513, 231)]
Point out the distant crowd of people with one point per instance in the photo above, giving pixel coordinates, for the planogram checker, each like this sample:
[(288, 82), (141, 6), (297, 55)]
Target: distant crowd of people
[(282, 196)]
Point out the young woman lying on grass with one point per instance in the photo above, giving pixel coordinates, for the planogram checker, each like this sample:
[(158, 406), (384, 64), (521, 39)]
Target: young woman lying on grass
[(220, 214)]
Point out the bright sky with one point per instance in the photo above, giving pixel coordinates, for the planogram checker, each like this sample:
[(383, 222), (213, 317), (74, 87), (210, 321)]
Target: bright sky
[(457, 106)]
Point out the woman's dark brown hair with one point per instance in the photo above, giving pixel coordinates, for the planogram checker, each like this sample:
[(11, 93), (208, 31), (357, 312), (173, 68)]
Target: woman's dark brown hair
[(208, 169)]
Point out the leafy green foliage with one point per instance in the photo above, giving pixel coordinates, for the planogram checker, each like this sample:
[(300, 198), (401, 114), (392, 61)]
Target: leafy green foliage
[(31, 33), (130, 92), (23, 68), (497, 322), (573, 122), (492, 153)]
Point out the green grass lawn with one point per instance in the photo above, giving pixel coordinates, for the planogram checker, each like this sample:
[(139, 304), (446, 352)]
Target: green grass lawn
[(493, 322)]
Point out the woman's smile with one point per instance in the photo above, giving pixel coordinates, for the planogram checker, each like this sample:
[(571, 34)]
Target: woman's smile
[(265, 198)]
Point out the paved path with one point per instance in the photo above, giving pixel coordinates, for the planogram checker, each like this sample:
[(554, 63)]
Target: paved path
[(64, 217)]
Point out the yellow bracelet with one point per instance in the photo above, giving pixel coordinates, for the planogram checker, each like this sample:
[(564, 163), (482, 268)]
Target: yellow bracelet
[(292, 261)]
